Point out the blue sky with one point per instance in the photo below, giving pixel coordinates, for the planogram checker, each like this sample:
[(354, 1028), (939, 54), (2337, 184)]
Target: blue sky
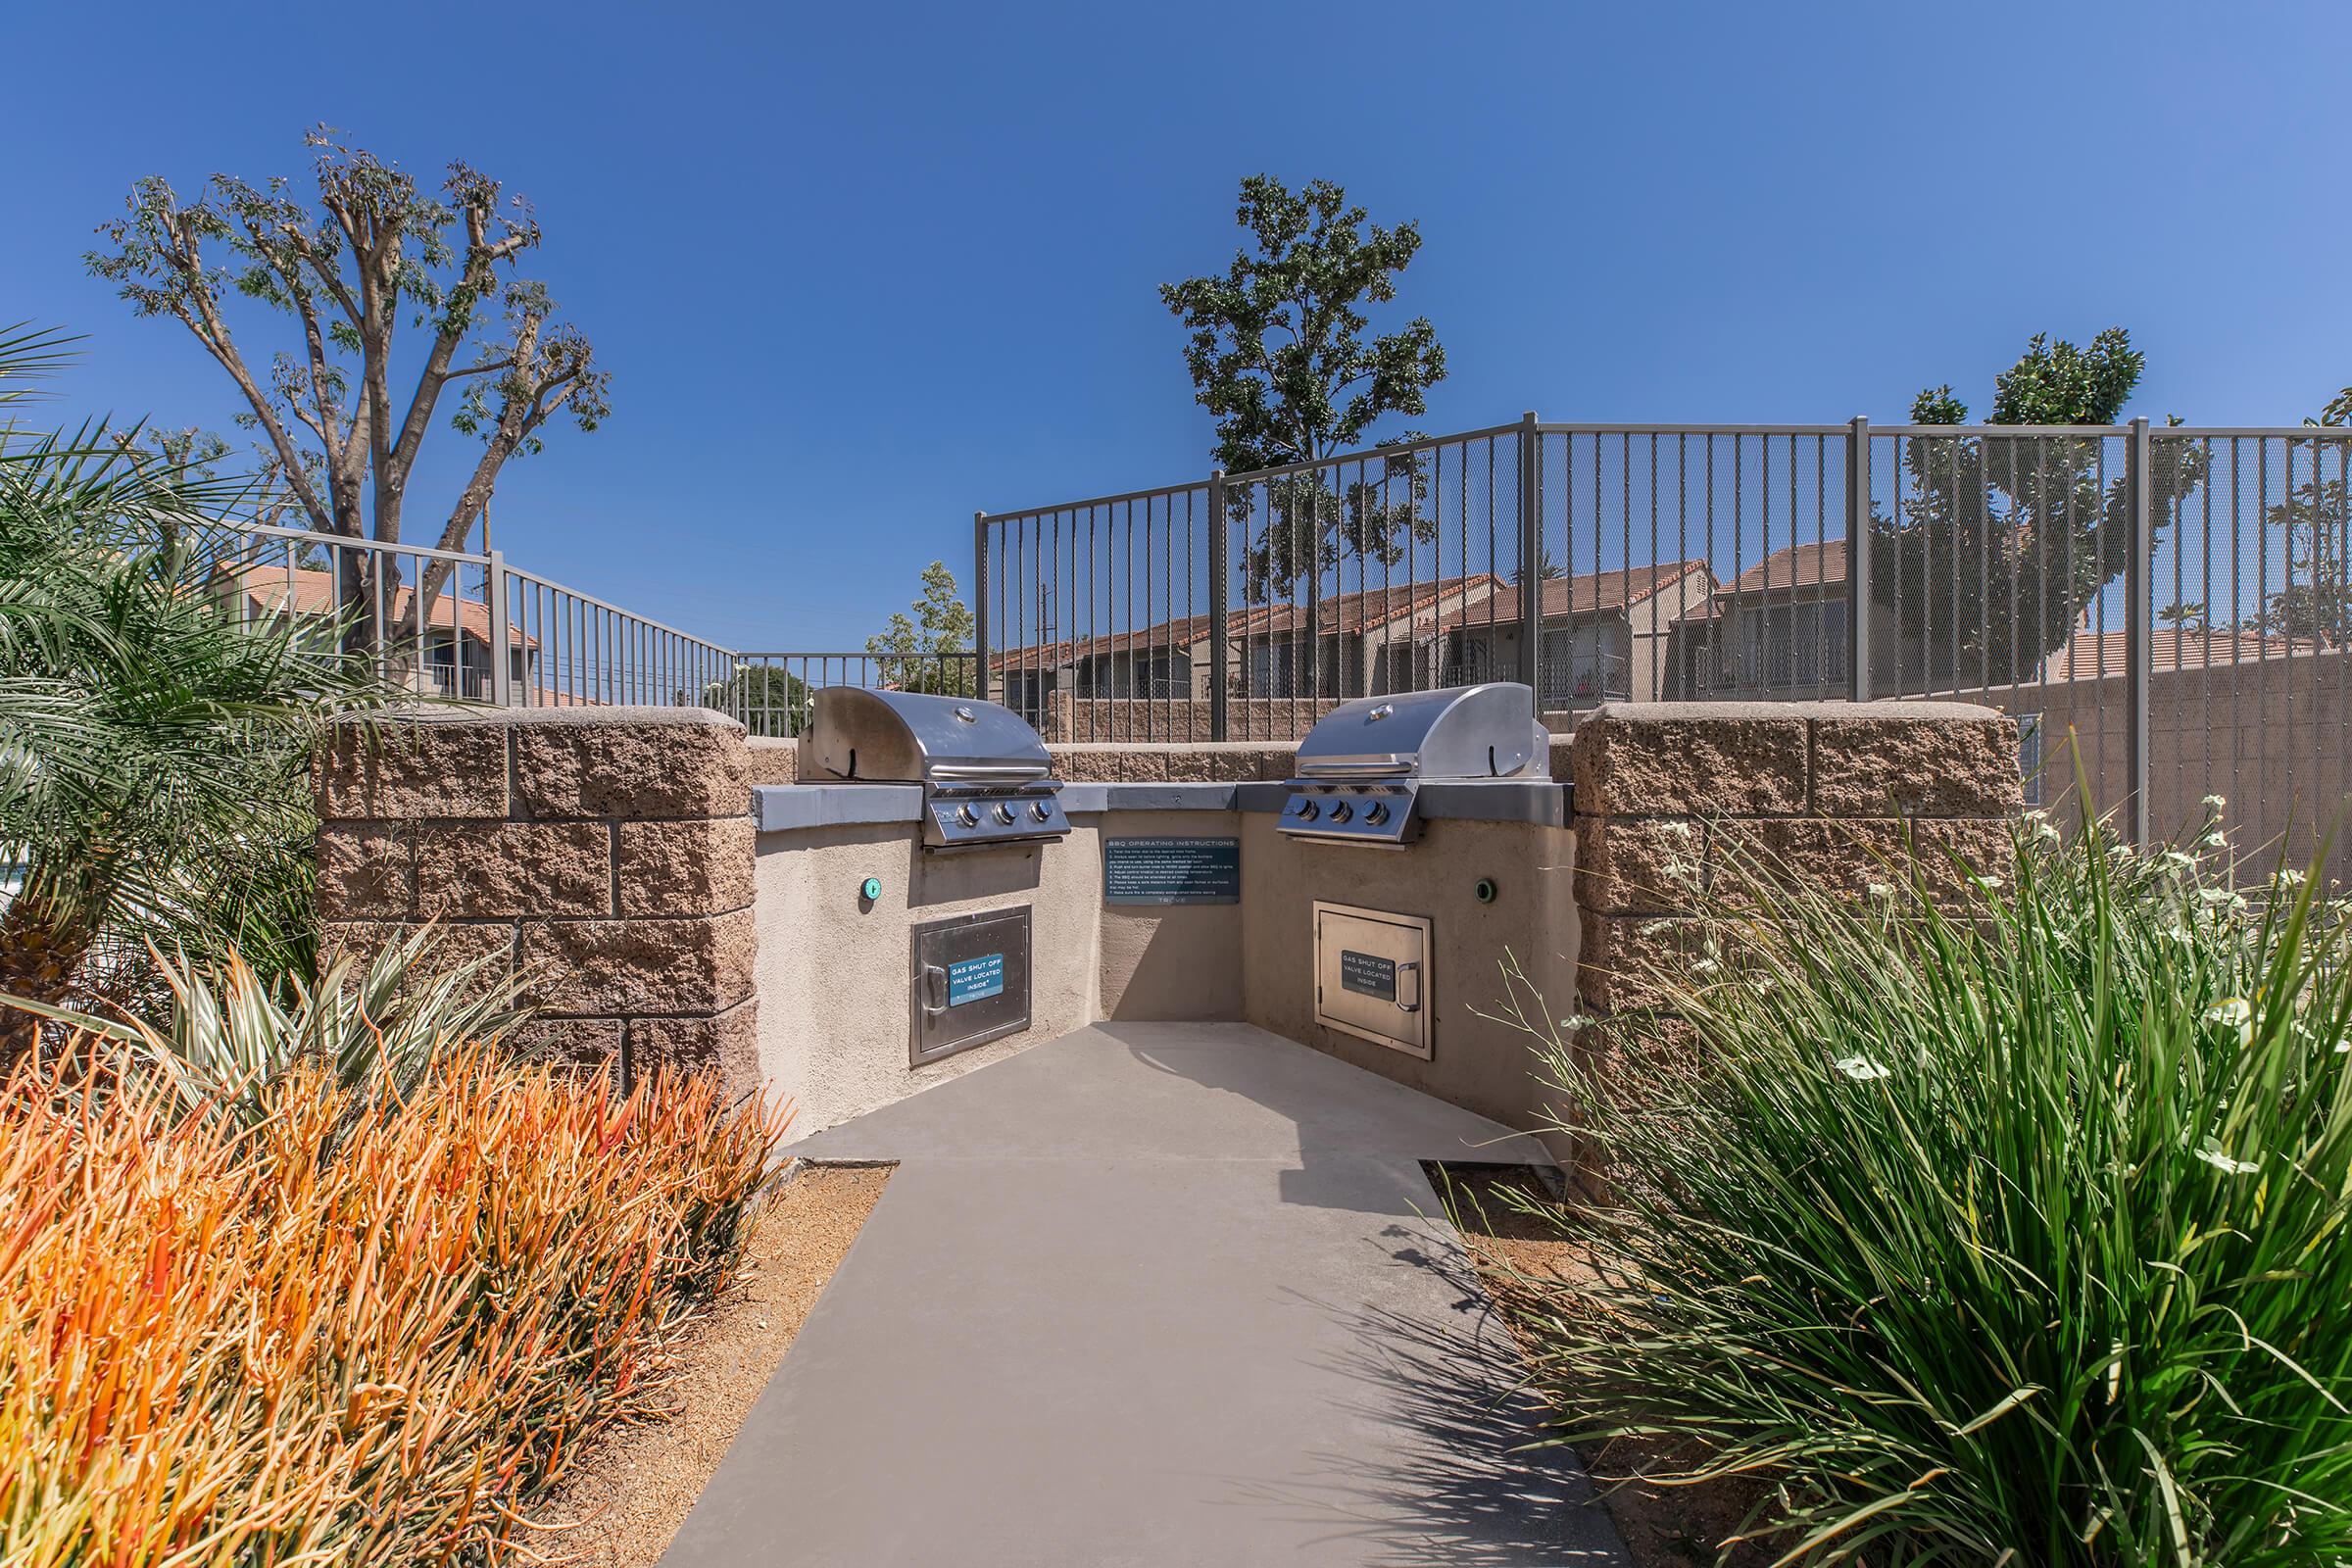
[(858, 270)]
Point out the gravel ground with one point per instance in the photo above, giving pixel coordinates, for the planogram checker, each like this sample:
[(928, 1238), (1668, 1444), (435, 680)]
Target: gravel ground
[(631, 1491)]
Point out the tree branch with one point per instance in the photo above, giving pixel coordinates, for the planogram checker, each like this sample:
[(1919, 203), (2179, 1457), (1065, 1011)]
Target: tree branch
[(214, 334)]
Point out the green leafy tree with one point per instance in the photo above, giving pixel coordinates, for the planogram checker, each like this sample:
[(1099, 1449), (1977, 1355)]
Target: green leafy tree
[(2187, 615), (1547, 567), (931, 651), (2315, 520), (370, 256), (770, 700), (1279, 353), (2000, 545)]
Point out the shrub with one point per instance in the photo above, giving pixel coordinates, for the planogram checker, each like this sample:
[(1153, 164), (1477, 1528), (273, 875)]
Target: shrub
[(155, 737), (233, 1032), (366, 1331), (2005, 1230)]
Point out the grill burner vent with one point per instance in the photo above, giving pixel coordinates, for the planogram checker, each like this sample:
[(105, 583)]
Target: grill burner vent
[(1361, 770), (987, 777)]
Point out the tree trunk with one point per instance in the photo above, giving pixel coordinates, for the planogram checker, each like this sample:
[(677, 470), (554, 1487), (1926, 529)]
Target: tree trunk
[(39, 956)]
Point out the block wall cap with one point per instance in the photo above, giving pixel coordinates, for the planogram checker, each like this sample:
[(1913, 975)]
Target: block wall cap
[(616, 716), (1923, 712)]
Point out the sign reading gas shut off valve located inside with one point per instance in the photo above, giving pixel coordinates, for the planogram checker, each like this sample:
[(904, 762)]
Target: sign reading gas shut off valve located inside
[(1372, 976), (971, 982)]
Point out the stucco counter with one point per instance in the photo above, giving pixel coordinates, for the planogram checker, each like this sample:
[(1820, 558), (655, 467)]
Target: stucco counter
[(836, 966)]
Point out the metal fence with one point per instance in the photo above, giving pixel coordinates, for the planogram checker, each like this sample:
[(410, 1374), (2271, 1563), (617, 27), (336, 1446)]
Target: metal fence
[(772, 693), (2173, 598), (469, 628), (437, 621)]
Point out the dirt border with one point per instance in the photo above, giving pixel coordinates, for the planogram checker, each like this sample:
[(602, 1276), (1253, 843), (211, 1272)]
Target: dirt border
[(622, 1503), (1664, 1527)]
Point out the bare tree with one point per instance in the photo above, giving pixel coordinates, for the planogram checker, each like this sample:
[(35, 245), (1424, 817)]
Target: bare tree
[(376, 253)]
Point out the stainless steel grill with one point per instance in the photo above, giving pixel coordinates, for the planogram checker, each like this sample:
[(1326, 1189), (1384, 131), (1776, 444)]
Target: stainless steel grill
[(1361, 770), (986, 778)]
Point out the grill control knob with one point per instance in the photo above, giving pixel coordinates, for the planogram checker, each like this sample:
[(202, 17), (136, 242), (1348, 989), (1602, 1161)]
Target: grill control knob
[(1378, 815), (1039, 810), (968, 816), (1307, 811), (1004, 811), (1340, 810)]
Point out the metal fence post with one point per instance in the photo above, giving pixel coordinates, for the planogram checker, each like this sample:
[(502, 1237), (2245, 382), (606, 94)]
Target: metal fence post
[(1219, 718), (1858, 557), (980, 604), (2138, 627), (502, 654), (1531, 555)]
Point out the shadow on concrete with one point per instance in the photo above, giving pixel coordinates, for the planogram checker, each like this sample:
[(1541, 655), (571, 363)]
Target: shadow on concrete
[(1343, 1116), (1472, 1478)]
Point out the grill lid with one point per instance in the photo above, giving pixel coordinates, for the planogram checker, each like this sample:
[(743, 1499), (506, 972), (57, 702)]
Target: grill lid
[(1486, 731), (917, 738)]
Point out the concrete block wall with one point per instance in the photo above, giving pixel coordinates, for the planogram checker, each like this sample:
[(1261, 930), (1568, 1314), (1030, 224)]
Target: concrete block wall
[(606, 853), (1818, 791)]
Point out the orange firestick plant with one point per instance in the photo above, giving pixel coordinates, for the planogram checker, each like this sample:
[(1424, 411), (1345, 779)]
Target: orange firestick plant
[(319, 1338)]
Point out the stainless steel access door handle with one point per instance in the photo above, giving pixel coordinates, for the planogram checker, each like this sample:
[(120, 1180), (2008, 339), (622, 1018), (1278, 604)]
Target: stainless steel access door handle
[(934, 988), (1413, 968)]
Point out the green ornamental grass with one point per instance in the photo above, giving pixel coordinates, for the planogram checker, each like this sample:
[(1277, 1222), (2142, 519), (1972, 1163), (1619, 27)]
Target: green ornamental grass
[(2004, 1228)]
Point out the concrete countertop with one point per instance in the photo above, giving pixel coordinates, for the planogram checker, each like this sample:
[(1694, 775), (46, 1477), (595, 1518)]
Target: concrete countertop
[(785, 807), (788, 807)]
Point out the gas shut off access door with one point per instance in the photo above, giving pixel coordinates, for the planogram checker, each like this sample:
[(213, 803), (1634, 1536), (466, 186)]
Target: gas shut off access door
[(1372, 975)]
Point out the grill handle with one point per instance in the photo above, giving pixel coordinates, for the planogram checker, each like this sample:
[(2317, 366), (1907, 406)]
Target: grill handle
[(1412, 968), (935, 989), (1356, 766), (987, 770)]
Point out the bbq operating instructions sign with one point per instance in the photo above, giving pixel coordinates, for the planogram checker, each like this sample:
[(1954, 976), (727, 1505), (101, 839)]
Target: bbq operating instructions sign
[(1171, 870)]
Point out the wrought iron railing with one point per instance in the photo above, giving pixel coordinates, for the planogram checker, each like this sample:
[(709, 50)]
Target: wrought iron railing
[(467, 626), (773, 693), (2175, 599)]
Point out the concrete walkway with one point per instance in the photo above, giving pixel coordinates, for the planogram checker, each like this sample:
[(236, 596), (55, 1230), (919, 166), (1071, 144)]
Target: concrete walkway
[(1151, 1295)]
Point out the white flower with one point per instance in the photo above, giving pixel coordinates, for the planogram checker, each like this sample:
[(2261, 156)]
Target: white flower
[(2178, 860), (1862, 1070), (1657, 928), (1578, 1023), (2234, 1012), (1704, 966), (1880, 892), (2215, 803), (2212, 1153), (2216, 895), (1681, 830), (1988, 884), (2288, 877), (2049, 832), (2215, 840)]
